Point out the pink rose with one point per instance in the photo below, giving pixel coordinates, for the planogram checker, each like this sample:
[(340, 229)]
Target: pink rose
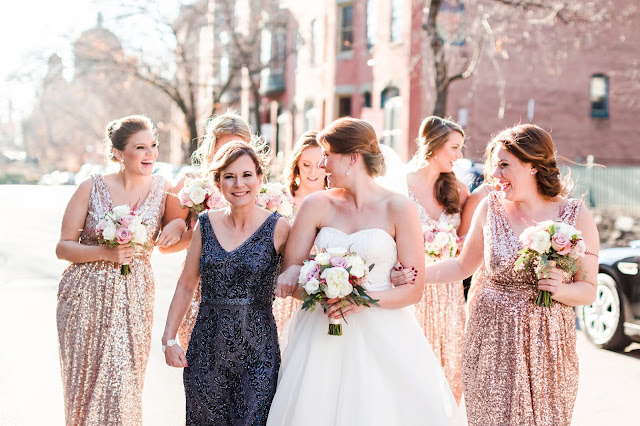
[(127, 220), (429, 236), (123, 235), (101, 225), (273, 203), (314, 273), (561, 243), (260, 202), (579, 250), (214, 201), (339, 262), (185, 200), (526, 238)]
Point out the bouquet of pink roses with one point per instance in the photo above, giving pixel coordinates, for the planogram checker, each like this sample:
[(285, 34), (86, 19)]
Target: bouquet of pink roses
[(123, 225), (274, 197), (440, 241), (199, 194), (331, 273), (549, 244)]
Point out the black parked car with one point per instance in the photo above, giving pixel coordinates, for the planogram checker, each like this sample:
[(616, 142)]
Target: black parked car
[(613, 320)]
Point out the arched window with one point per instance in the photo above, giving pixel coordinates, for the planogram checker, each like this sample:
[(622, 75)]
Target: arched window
[(599, 95)]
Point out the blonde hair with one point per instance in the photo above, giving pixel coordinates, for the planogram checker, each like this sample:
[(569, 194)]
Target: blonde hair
[(217, 127)]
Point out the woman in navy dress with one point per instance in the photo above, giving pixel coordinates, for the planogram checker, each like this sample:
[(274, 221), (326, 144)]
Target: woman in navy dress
[(231, 367)]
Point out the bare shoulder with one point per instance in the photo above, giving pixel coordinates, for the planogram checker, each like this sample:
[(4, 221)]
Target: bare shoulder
[(585, 218), (317, 200), (463, 191), (167, 186), (282, 228)]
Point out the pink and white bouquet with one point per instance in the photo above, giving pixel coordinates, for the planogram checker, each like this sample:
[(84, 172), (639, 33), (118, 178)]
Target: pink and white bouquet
[(123, 225), (334, 273), (440, 241), (549, 244), (274, 197), (199, 194)]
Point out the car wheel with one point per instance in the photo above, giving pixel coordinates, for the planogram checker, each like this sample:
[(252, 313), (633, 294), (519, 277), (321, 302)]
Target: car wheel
[(602, 321)]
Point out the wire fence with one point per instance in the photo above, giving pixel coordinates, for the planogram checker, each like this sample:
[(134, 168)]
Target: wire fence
[(609, 188)]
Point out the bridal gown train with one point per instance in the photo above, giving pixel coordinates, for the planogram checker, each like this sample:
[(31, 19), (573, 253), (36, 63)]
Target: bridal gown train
[(381, 371)]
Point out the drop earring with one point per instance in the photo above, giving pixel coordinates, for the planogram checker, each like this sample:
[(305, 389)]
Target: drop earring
[(122, 165), (347, 173)]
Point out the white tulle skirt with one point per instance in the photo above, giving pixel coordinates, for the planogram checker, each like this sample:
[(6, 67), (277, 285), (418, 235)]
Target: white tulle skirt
[(381, 371)]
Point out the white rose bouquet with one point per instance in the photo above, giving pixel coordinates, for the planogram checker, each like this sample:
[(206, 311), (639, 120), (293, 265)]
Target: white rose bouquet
[(334, 273), (123, 225), (550, 244), (440, 241), (274, 197), (199, 194)]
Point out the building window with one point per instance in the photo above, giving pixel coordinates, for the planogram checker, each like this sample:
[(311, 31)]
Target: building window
[(346, 28), (372, 22), (391, 133), (367, 99), (396, 21), (388, 93), (344, 106), (599, 94), (310, 116), (314, 39)]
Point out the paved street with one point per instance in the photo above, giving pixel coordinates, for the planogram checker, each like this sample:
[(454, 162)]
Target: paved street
[(30, 386)]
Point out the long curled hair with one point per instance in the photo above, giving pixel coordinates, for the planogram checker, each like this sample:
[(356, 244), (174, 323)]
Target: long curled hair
[(432, 136), (291, 170), (533, 145), (217, 127)]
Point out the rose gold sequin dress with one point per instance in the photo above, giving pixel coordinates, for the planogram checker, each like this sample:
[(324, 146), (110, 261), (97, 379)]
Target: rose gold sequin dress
[(519, 364), (441, 313), (104, 323)]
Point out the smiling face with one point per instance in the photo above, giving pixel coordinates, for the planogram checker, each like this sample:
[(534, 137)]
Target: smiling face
[(449, 153), (335, 166), (311, 175), (240, 182), (515, 178), (140, 153)]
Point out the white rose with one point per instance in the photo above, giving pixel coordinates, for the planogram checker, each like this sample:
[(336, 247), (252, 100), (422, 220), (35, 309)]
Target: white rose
[(541, 242), (345, 289), (358, 271), (337, 251), (197, 194), (336, 279), (312, 286), (109, 231), (285, 208), (273, 189), (323, 259), (137, 220), (445, 226), (566, 229), (120, 211), (441, 240), (140, 234), (306, 268), (354, 261)]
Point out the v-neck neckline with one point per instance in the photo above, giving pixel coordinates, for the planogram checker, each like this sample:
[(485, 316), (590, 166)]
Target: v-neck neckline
[(144, 203), (413, 198), (228, 252)]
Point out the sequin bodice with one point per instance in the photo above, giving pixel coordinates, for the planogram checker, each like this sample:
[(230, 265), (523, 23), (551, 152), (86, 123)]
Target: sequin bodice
[(249, 271), (453, 219), (100, 203), (502, 245)]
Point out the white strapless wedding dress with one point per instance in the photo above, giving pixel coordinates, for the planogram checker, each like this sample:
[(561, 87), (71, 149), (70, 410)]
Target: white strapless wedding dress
[(381, 371)]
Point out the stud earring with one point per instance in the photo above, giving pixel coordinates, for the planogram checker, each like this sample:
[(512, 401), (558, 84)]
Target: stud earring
[(533, 172)]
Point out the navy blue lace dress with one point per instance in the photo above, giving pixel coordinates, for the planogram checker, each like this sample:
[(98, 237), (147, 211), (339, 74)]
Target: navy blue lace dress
[(233, 354)]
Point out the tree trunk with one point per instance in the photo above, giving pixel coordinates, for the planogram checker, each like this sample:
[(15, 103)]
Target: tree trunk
[(194, 139)]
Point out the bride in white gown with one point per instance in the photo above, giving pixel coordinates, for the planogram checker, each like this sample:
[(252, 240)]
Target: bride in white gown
[(381, 371)]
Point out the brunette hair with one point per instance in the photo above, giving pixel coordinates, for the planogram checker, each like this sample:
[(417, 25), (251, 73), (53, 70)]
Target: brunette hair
[(217, 127), (533, 145), (432, 136), (229, 153), (118, 132), (349, 135), (292, 171)]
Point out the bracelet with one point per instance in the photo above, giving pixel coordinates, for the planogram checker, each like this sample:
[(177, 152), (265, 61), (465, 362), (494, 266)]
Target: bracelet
[(170, 342)]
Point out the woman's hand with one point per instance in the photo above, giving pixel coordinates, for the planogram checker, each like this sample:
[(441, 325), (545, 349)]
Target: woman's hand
[(174, 356), (171, 233), (287, 282), (122, 254), (401, 276), (348, 308), (553, 283)]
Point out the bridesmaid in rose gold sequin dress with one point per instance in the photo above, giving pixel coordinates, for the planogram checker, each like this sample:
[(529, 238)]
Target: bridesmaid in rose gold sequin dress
[(104, 318), (441, 311), (519, 364)]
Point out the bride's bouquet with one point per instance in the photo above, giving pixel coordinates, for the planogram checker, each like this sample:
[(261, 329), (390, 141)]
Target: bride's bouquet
[(549, 244), (334, 273), (440, 240), (199, 194), (123, 225), (274, 197)]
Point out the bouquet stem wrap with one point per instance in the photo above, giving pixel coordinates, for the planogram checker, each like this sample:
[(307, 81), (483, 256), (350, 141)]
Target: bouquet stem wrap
[(335, 327)]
